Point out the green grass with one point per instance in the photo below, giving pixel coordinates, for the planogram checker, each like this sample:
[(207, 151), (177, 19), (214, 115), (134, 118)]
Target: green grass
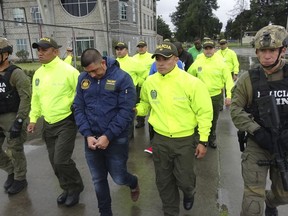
[(29, 66)]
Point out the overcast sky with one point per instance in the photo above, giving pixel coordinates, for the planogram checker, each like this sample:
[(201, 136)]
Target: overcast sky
[(166, 7)]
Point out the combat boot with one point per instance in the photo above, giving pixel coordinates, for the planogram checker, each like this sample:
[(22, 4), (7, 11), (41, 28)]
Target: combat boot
[(17, 186), (9, 181), (271, 211)]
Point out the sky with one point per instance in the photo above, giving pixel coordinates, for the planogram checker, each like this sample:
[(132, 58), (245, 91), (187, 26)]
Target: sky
[(164, 9)]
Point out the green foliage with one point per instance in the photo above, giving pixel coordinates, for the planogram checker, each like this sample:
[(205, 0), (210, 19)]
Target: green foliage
[(261, 13), (22, 55), (163, 28), (195, 19)]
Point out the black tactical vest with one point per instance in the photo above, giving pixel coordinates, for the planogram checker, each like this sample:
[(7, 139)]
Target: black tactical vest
[(262, 87), (9, 97)]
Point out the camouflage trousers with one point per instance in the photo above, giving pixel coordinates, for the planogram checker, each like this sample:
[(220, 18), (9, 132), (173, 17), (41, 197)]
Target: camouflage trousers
[(12, 156), (255, 177)]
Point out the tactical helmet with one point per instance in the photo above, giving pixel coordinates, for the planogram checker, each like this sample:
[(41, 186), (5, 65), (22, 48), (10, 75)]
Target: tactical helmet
[(5, 46), (271, 37)]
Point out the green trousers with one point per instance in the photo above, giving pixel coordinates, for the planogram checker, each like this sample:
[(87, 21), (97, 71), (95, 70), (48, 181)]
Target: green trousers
[(174, 166), (254, 176), (60, 141), (12, 158)]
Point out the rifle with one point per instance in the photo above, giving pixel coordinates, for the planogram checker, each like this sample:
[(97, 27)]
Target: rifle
[(269, 116)]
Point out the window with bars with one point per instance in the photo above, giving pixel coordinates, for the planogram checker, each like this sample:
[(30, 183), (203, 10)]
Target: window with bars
[(21, 44), (19, 16), (36, 15), (123, 10), (79, 7)]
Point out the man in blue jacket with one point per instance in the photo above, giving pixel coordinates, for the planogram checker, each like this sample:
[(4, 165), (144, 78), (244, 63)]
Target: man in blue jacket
[(103, 112)]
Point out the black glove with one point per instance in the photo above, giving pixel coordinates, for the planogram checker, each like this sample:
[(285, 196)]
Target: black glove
[(15, 130), (264, 139)]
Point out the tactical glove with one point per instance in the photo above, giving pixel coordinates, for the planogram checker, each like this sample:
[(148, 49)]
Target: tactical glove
[(15, 130), (264, 139)]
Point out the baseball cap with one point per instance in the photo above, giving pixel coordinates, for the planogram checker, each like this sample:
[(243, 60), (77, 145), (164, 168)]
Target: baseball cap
[(121, 45), (46, 42), (223, 41), (166, 49), (208, 43), (142, 43)]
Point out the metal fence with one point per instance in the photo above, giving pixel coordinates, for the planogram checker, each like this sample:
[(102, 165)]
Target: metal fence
[(23, 34)]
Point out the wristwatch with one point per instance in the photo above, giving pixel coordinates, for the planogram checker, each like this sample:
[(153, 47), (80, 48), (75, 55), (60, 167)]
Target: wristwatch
[(203, 143)]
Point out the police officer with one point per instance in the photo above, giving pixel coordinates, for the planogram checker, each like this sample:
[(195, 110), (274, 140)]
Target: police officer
[(268, 78), (15, 96), (229, 57), (177, 102), (211, 69), (54, 88)]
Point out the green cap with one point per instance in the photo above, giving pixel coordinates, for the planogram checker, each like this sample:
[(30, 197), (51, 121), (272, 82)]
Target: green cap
[(166, 49)]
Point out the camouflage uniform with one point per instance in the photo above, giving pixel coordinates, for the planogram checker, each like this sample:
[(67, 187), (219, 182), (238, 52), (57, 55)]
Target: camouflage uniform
[(254, 176), (13, 160)]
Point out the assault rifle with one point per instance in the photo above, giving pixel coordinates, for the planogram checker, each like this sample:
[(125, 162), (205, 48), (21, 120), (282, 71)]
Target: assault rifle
[(268, 113)]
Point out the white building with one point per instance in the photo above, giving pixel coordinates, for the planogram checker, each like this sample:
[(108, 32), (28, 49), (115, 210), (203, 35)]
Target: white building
[(79, 23)]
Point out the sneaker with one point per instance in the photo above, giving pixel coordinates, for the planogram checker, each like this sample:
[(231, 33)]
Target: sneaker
[(9, 181), (149, 150), (271, 211), (17, 186)]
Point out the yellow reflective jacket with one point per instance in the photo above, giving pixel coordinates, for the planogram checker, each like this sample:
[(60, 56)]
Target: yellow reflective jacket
[(134, 68), (214, 73), (177, 102), (230, 58), (145, 60), (53, 91)]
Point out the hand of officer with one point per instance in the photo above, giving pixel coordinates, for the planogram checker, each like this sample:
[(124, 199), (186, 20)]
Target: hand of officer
[(15, 130), (264, 139), (200, 151)]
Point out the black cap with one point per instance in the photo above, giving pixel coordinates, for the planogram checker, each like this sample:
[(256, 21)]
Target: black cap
[(209, 43), (166, 49), (142, 43), (46, 42), (121, 45)]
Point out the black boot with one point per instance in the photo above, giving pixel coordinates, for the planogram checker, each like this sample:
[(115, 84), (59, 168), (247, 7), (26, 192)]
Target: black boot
[(271, 211), (17, 186), (9, 181)]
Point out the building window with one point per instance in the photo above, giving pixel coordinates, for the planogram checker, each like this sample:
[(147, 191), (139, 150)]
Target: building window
[(21, 44), (36, 15), (83, 43), (123, 10), (144, 18), (79, 7), (19, 16)]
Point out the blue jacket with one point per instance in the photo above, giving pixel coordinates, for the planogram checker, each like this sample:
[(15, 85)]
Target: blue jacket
[(105, 106)]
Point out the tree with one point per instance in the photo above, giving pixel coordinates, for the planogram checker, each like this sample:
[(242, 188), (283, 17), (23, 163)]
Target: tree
[(196, 19), (261, 13), (163, 28), (23, 55)]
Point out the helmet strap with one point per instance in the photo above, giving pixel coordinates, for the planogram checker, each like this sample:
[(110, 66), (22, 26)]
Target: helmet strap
[(2, 60)]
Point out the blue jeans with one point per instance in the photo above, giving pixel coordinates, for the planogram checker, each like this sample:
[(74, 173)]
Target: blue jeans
[(112, 160)]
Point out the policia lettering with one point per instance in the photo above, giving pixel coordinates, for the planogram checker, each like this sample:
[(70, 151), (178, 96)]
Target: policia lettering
[(9, 97)]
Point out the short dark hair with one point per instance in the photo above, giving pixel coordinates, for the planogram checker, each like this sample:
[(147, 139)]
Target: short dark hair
[(90, 56)]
